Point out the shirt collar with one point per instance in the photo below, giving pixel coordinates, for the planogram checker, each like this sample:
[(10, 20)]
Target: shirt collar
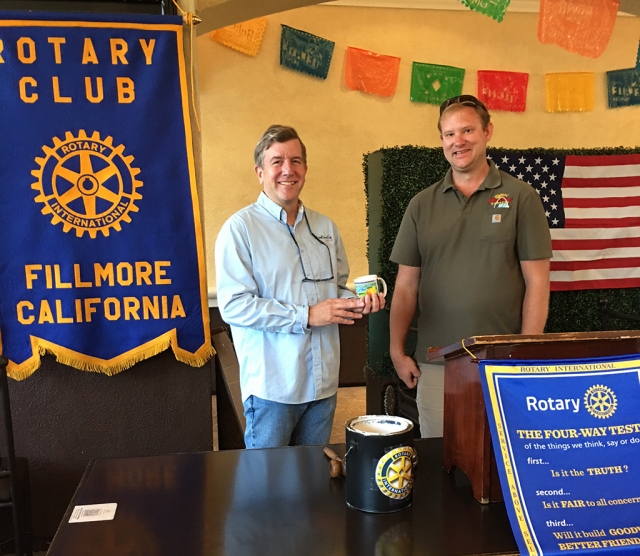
[(493, 179), (275, 210)]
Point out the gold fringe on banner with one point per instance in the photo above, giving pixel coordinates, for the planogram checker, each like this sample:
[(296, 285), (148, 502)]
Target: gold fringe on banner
[(108, 367), (199, 362), (25, 370)]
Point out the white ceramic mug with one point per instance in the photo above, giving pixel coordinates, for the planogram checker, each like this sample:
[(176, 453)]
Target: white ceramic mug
[(369, 285)]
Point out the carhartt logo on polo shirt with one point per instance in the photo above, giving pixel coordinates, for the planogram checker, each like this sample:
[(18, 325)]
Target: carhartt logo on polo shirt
[(500, 201), (496, 218)]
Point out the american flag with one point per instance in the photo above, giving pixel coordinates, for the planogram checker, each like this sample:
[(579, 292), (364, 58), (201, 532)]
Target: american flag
[(592, 205)]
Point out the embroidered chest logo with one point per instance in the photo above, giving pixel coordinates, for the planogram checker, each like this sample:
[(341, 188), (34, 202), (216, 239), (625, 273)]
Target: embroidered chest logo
[(86, 184), (500, 201)]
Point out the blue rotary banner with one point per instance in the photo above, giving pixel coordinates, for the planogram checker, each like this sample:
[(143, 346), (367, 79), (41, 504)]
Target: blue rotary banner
[(102, 255), (566, 436)]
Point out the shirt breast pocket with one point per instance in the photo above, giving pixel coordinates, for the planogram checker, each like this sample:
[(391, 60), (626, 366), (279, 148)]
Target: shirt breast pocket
[(498, 226)]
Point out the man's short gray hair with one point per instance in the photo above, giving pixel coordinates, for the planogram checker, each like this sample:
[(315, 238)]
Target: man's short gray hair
[(276, 134)]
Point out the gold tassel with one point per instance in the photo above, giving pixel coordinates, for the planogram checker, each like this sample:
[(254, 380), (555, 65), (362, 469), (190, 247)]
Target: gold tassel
[(197, 361), (84, 363), (25, 370)]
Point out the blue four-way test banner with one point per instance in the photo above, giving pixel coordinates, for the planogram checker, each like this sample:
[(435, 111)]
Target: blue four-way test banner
[(566, 436)]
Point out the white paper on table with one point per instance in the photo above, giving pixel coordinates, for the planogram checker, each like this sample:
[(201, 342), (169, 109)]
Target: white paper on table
[(93, 512)]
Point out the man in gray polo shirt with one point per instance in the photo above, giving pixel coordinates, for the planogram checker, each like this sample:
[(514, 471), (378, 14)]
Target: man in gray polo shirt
[(473, 252)]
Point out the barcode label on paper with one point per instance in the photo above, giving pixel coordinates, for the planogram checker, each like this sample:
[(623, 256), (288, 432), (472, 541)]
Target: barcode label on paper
[(93, 512)]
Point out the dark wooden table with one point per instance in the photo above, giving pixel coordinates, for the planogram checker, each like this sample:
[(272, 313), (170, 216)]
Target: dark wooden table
[(273, 502)]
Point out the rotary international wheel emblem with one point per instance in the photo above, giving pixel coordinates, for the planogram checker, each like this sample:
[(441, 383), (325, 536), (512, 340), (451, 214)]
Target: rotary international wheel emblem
[(86, 184), (394, 473), (600, 401)]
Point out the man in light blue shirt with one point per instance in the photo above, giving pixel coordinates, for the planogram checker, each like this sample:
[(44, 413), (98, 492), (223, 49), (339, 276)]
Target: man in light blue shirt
[(281, 277)]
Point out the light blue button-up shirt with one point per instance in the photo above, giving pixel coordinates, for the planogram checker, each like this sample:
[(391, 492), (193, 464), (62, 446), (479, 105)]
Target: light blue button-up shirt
[(262, 296)]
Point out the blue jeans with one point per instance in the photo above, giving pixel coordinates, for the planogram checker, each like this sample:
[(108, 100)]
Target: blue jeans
[(273, 424)]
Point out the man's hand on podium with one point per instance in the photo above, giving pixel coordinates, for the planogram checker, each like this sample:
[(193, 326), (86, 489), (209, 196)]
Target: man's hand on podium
[(407, 369)]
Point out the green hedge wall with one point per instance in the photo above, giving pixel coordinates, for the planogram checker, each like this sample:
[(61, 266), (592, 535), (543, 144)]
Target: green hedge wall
[(409, 169)]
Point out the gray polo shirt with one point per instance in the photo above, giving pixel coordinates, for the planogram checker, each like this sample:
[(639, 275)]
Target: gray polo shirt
[(469, 253)]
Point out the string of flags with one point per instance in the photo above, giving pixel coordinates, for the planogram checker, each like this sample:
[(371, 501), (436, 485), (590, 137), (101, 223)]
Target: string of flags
[(377, 74)]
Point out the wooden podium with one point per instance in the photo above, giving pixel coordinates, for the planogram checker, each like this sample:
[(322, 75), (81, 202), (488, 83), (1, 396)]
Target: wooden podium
[(466, 436)]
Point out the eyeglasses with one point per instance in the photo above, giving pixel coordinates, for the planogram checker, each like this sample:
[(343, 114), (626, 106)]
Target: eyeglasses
[(306, 278), (466, 100)]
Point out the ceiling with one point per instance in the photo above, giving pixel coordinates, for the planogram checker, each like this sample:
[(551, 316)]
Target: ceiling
[(220, 13), (515, 5), (531, 6)]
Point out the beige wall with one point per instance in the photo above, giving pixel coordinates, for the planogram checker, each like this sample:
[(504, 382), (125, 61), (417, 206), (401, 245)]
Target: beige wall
[(241, 96)]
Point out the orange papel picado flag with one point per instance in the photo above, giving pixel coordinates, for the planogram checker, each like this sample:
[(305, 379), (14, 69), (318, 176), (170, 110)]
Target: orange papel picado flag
[(370, 72), (580, 26)]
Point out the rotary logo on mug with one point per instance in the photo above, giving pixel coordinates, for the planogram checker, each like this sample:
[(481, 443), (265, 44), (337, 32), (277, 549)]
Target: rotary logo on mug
[(394, 472)]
